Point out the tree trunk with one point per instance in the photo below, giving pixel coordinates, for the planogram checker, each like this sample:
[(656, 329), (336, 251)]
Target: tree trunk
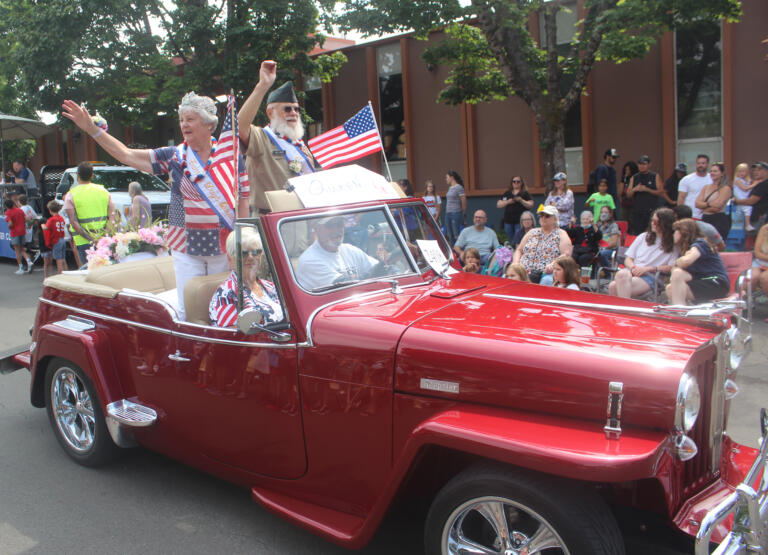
[(552, 144)]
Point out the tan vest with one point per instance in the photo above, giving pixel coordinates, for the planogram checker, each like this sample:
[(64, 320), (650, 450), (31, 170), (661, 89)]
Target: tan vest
[(267, 167)]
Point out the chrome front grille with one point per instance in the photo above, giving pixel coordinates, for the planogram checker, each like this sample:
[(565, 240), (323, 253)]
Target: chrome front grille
[(708, 367)]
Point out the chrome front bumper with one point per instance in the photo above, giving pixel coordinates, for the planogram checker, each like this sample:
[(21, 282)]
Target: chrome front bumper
[(747, 505)]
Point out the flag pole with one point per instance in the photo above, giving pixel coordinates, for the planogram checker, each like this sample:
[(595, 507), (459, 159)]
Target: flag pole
[(235, 148), (383, 152)]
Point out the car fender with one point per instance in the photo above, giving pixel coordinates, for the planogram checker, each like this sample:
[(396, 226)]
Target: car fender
[(89, 350), (554, 445)]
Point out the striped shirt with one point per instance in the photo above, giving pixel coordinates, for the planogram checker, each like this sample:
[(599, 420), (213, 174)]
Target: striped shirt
[(193, 226), (223, 307)]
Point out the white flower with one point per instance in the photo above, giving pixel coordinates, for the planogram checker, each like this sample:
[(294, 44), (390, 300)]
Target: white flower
[(295, 166), (121, 249)]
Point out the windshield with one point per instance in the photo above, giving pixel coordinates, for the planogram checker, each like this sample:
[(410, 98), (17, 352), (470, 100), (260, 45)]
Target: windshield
[(327, 252)]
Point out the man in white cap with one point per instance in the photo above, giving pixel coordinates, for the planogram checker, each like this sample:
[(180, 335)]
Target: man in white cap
[(274, 153), (329, 260)]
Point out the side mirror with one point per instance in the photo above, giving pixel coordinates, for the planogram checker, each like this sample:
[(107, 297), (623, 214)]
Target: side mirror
[(250, 321)]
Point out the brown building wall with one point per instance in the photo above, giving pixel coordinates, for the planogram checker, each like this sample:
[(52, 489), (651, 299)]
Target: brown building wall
[(750, 82), (626, 110), (504, 145), (436, 127)]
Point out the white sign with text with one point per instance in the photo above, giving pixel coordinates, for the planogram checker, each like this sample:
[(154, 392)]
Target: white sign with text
[(341, 186)]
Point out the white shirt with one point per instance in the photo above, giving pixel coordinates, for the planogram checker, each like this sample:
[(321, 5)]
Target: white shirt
[(318, 267), (692, 184), (644, 255)]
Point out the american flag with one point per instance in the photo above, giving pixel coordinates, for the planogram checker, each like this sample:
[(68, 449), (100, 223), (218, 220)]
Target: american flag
[(358, 137), (223, 164)]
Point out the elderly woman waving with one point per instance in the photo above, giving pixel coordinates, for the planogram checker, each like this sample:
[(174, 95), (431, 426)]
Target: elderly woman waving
[(200, 217)]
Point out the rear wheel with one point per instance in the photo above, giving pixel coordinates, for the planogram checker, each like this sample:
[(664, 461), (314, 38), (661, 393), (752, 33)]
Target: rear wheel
[(488, 510), (75, 414)]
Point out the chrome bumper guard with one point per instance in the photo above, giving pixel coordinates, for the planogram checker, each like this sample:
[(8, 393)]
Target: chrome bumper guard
[(749, 507)]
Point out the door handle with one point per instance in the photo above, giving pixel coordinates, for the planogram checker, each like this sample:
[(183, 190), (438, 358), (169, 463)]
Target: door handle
[(177, 357)]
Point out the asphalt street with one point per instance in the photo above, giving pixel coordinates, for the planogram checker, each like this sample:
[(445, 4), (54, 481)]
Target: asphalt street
[(145, 503)]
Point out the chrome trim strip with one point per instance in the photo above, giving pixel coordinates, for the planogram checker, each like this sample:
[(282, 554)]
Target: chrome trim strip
[(171, 332), (75, 323)]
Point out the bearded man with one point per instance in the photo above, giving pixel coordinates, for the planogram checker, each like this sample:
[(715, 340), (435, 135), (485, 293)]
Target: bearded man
[(275, 153)]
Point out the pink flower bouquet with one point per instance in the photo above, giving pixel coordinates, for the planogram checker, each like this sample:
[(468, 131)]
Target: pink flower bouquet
[(112, 249)]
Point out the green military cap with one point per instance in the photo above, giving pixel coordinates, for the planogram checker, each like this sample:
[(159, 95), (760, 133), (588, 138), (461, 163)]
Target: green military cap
[(284, 93)]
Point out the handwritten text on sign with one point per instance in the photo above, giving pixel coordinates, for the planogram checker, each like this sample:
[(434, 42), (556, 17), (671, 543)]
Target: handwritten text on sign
[(341, 186)]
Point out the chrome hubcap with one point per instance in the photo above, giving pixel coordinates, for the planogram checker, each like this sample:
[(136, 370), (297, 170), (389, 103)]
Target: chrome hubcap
[(73, 409), (494, 525)]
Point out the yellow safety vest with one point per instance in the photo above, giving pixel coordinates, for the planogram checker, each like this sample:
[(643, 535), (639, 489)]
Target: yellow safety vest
[(91, 202)]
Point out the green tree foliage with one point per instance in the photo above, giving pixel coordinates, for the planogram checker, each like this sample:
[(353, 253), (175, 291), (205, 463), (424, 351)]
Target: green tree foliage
[(130, 59), (493, 53)]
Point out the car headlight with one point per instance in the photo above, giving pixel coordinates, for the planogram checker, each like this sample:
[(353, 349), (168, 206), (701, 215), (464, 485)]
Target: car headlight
[(687, 404), (736, 348)]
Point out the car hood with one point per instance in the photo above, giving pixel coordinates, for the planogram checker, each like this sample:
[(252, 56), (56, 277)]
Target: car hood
[(498, 343)]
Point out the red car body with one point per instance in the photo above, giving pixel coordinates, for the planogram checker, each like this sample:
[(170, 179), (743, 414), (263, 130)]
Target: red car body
[(376, 387)]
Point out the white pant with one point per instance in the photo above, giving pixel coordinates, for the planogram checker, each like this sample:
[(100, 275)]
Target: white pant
[(187, 266)]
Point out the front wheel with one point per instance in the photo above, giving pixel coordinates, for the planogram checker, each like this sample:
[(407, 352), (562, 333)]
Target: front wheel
[(489, 510), (75, 414)]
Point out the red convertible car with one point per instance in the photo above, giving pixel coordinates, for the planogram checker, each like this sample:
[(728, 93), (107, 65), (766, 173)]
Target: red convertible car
[(525, 414)]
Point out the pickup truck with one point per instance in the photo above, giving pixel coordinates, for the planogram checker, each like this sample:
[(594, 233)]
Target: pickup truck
[(526, 415)]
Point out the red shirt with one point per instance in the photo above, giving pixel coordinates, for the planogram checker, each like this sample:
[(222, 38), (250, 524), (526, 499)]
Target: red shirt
[(54, 230), (17, 221)]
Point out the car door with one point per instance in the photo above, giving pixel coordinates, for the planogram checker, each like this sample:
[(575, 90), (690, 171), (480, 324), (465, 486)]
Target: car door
[(228, 396)]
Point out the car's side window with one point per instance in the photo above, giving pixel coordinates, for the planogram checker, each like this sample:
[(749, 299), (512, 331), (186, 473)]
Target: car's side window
[(251, 284), (415, 225)]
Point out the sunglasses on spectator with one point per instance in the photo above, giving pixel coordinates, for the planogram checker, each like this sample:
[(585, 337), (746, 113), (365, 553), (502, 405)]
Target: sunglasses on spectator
[(289, 109), (516, 181), (254, 253)]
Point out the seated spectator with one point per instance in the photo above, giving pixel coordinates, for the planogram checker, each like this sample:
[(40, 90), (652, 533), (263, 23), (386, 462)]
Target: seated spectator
[(472, 262), (586, 239), (542, 245), (527, 223), (707, 230), (699, 274), (258, 293), (516, 272), (329, 261), (653, 251), (565, 273), (760, 263), (611, 236), (478, 236)]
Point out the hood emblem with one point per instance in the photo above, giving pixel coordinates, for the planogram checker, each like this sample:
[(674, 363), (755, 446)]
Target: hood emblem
[(613, 412), (439, 385)]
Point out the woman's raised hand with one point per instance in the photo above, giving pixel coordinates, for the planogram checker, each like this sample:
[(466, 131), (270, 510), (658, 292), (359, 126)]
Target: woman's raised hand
[(79, 116)]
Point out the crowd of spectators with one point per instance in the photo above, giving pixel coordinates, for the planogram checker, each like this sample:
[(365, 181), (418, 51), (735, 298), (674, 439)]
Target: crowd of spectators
[(649, 235)]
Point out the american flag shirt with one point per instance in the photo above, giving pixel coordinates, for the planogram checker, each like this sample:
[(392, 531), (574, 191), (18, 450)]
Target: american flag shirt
[(223, 307), (193, 226)]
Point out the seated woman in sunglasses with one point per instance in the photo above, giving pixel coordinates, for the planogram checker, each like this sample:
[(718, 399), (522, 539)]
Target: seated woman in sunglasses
[(258, 292)]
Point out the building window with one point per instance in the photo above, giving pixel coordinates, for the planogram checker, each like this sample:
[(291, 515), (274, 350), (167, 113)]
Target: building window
[(392, 115), (313, 106), (698, 79)]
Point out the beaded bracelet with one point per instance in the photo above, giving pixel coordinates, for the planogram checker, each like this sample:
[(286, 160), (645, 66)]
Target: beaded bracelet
[(99, 132)]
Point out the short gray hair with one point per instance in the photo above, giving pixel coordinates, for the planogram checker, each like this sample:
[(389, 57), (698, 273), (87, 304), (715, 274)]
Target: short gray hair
[(203, 105), (249, 240), (588, 213), (134, 188)]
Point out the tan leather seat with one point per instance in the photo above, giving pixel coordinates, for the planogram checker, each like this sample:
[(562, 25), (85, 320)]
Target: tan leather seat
[(152, 275), (197, 296)]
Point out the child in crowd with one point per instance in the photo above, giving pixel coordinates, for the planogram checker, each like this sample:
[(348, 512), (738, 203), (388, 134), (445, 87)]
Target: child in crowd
[(472, 262), (600, 198), (18, 229), (741, 190), (432, 199), (516, 272), (31, 218), (565, 273), (54, 238)]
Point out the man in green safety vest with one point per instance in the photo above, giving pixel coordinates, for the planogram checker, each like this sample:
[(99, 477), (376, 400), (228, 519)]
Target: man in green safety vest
[(88, 206)]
